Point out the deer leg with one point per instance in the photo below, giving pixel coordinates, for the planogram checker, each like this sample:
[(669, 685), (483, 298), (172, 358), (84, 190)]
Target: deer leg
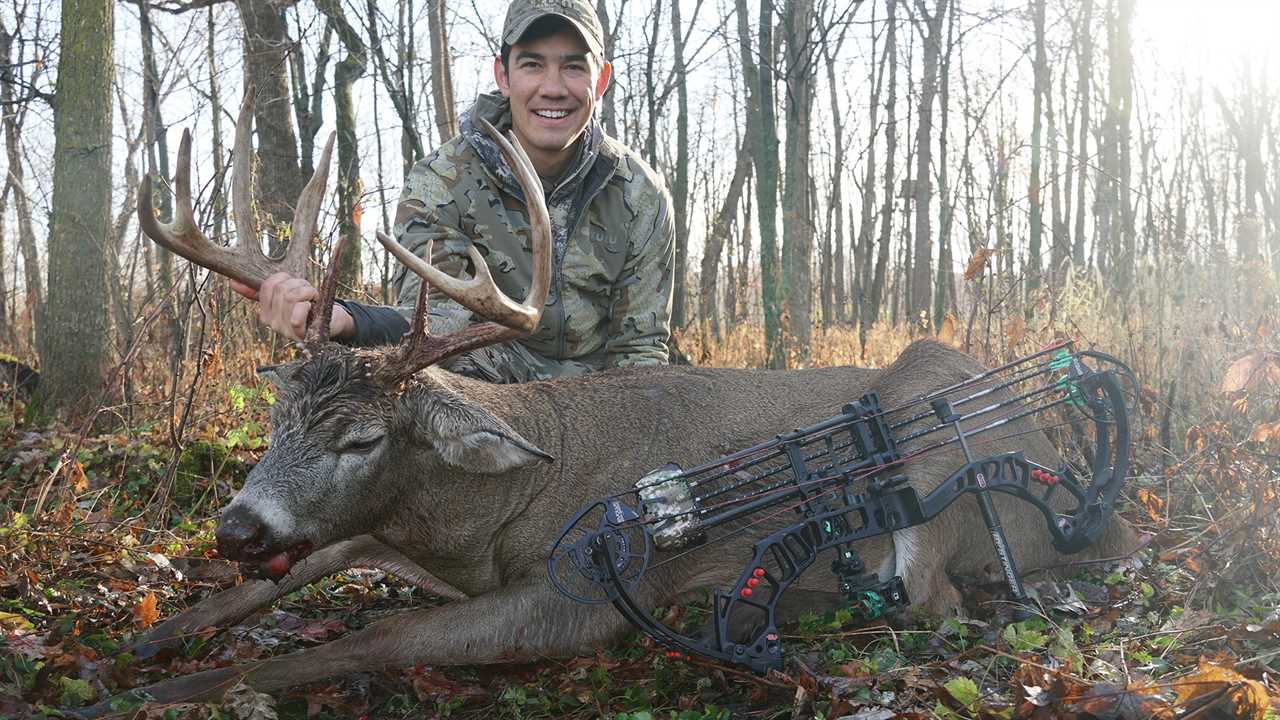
[(233, 605), (523, 622)]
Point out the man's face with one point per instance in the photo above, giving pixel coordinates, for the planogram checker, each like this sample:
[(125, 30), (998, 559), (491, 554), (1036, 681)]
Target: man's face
[(554, 84)]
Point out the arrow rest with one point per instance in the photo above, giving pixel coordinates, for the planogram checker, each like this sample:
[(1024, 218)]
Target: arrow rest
[(823, 488)]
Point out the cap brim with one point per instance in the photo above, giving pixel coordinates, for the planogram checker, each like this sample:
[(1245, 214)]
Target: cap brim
[(521, 28)]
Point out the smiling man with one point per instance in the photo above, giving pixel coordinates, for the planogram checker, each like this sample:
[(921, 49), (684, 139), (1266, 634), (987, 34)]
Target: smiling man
[(610, 299)]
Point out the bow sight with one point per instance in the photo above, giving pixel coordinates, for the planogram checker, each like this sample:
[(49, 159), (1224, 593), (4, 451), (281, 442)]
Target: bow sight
[(842, 481)]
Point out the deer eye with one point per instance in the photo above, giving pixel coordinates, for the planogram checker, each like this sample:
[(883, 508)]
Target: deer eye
[(356, 444)]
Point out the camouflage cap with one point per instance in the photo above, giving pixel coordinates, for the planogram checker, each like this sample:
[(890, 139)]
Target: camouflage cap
[(522, 13)]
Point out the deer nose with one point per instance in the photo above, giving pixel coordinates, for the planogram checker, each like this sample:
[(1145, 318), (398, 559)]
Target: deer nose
[(238, 534)]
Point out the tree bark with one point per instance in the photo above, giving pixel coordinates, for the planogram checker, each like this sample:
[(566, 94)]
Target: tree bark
[(922, 258), (279, 176), (891, 148), (1084, 71), (442, 71), (680, 186), (797, 225), (74, 337), (767, 165), (1041, 69), (350, 187), (15, 182), (716, 239)]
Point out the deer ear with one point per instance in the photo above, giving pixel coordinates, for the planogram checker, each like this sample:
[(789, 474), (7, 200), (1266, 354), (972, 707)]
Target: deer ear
[(471, 438)]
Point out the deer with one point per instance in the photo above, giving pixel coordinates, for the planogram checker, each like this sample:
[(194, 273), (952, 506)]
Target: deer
[(380, 457)]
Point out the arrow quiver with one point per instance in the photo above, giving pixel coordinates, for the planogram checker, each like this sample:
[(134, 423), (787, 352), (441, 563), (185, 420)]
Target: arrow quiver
[(823, 488)]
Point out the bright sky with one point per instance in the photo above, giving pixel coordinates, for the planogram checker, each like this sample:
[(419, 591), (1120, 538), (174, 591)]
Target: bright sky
[(1211, 37)]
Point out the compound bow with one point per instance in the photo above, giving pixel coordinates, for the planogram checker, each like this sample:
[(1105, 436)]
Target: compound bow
[(842, 478)]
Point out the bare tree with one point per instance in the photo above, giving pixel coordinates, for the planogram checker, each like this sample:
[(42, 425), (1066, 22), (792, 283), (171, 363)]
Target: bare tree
[(350, 187), (15, 106), (266, 49), (441, 71), (876, 296), (929, 27), (797, 200), (1034, 185), (1247, 120), (680, 183), (74, 336), (1084, 71)]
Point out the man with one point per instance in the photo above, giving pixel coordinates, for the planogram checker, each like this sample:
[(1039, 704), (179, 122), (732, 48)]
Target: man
[(610, 299)]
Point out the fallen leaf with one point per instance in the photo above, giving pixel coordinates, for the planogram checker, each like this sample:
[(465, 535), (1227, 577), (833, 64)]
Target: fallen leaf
[(146, 612), (79, 482), (15, 622), (1265, 432), (1248, 697)]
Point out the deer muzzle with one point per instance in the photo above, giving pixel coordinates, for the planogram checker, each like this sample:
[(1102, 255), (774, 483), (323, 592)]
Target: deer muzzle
[(245, 538)]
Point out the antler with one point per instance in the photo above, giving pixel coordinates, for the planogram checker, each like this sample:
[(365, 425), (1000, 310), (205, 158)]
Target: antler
[(245, 262), (507, 318)]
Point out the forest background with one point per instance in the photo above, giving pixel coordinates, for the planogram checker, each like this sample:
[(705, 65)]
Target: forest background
[(846, 176)]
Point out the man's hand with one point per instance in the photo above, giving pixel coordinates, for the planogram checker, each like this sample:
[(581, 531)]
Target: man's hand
[(284, 302)]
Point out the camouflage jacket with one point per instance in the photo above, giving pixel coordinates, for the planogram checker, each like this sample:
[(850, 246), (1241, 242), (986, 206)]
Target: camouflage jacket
[(613, 240)]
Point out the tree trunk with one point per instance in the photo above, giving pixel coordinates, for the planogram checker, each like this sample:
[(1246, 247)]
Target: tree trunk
[(73, 340), (767, 166), (944, 285), (608, 104), (717, 237), (680, 186), (867, 219), (922, 258), (308, 97), (835, 306), (15, 183), (1084, 71), (279, 176), (797, 225), (441, 71), (891, 148), (350, 186), (651, 88), (1041, 68)]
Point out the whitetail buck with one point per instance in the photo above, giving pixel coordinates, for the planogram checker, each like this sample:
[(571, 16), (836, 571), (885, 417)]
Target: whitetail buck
[(380, 458)]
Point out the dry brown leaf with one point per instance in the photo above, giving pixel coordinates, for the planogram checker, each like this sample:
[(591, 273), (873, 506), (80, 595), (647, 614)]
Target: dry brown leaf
[(146, 612), (977, 263), (1248, 371), (79, 482), (947, 333), (1248, 697), (1153, 503), (1265, 432)]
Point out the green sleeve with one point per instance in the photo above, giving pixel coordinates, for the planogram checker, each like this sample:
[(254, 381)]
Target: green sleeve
[(640, 324), (426, 214)]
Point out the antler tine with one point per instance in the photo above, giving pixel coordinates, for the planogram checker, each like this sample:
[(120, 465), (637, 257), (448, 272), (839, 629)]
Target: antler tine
[(183, 237), (306, 211), (480, 294), (303, 232), (242, 185), (513, 319)]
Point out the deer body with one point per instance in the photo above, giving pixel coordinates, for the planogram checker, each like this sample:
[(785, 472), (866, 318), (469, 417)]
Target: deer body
[(380, 459), (486, 535)]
